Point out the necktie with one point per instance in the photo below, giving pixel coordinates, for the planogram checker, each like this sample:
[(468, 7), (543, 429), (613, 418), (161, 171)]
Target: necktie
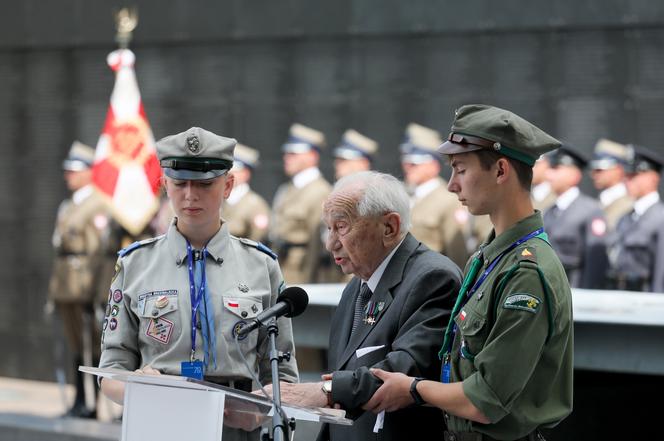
[(206, 317), (360, 304)]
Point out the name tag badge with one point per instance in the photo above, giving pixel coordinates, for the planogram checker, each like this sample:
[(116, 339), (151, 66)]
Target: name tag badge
[(192, 369)]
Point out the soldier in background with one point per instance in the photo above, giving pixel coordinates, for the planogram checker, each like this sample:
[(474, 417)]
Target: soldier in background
[(247, 213), (437, 218), (354, 154), (637, 251), (542, 195), (608, 174), (297, 207), (575, 224), (83, 267)]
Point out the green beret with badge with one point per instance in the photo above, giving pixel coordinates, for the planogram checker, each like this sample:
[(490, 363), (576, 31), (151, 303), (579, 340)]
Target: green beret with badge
[(479, 126)]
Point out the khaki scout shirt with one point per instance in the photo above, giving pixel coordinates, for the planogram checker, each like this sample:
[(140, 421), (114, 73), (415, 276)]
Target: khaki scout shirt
[(522, 343), (141, 329)]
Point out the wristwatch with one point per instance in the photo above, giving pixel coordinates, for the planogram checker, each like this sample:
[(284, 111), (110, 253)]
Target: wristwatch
[(414, 393), (327, 390)]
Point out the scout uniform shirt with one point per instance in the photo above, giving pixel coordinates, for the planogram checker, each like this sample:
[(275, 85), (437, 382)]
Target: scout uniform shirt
[(247, 214), (513, 346), (148, 319)]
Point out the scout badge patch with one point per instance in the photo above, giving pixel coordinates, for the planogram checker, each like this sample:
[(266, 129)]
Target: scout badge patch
[(522, 301)]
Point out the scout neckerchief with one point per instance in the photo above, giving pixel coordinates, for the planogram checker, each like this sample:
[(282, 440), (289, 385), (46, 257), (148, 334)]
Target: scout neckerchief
[(465, 294), (198, 292)]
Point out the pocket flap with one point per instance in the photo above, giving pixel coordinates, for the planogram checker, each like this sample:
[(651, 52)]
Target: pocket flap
[(468, 322), (157, 304), (243, 307)]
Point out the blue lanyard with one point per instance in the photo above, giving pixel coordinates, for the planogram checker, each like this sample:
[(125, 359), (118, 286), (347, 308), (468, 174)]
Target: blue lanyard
[(464, 296), (195, 295)]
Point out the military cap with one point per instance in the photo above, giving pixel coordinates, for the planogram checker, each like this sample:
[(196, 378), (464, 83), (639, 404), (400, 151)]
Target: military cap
[(302, 139), (80, 157), (643, 159), (245, 156), (354, 145), (609, 154), (568, 155), (195, 154), (420, 144), (478, 126)]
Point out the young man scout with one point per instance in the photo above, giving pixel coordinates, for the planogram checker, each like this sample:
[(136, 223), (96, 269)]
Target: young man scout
[(507, 354)]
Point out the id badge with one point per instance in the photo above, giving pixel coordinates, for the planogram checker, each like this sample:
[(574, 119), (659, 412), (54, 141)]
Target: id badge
[(445, 373), (192, 369)]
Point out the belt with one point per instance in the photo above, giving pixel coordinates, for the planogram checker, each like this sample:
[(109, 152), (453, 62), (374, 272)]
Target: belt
[(628, 283), (243, 385), (475, 436)]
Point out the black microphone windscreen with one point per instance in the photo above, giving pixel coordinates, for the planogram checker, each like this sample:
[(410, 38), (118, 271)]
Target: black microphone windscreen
[(296, 298)]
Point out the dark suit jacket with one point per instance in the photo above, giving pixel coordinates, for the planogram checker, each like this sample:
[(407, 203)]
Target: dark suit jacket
[(418, 288), (578, 236)]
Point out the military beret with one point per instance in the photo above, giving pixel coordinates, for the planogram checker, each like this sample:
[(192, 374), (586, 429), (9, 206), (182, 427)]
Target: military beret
[(644, 159), (420, 144), (354, 145), (609, 154), (478, 126), (302, 139), (568, 155), (80, 157), (195, 154), (245, 156)]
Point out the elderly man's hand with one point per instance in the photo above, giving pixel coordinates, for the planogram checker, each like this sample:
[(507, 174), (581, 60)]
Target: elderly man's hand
[(393, 395), (301, 394), (304, 394)]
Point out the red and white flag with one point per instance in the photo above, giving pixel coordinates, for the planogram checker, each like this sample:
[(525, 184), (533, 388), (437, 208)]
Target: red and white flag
[(126, 169)]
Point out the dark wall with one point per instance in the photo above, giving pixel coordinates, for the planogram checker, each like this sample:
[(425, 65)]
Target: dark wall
[(248, 69)]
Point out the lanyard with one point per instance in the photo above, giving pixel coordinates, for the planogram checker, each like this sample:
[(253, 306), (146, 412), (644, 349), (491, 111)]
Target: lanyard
[(465, 294), (195, 295)]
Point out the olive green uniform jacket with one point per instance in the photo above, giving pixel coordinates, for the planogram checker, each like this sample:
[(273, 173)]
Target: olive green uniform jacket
[(516, 363)]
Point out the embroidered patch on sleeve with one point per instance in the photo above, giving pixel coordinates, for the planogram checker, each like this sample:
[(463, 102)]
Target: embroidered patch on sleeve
[(522, 301)]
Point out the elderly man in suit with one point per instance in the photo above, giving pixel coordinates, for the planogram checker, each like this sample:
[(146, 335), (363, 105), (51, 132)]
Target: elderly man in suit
[(391, 314)]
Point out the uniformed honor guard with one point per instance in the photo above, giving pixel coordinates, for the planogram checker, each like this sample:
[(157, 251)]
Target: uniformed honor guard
[(637, 251), (176, 300), (354, 153), (247, 213), (438, 219), (508, 352), (607, 170), (575, 224), (81, 269), (297, 207), (543, 196)]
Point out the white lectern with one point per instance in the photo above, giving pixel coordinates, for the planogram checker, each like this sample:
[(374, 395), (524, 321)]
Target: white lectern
[(167, 407)]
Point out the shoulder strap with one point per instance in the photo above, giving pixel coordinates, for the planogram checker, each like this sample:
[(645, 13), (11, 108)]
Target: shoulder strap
[(136, 245), (259, 246)]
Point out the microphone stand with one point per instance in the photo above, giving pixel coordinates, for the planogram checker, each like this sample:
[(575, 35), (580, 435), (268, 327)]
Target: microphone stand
[(280, 427)]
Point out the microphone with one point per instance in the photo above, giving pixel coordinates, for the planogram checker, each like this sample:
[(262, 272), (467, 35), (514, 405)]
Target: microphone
[(290, 303)]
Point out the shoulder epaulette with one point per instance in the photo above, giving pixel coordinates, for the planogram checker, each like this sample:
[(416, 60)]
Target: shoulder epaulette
[(123, 252), (526, 253), (259, 246)]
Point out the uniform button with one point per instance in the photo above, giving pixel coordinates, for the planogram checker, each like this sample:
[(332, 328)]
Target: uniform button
[(452, 437), (178, 261), (155, 313), (244, 314)]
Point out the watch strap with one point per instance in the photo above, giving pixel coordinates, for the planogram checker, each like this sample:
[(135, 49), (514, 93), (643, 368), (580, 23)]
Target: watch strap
[(414, 393)]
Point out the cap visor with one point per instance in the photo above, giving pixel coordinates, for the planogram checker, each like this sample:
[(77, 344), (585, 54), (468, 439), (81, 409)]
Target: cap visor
[(296, 147), (191, 175), (452, 148), (74, 165), (343, 153)]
